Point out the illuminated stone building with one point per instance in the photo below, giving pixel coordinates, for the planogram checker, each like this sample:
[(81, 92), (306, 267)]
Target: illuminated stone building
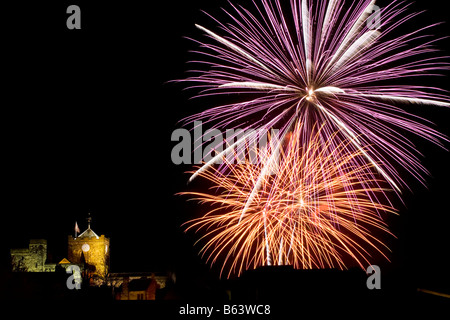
[(31, 259), (136, 285), (90, 252)]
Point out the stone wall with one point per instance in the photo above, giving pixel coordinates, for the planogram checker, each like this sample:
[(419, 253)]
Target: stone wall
[(97, 257), (31, 259)]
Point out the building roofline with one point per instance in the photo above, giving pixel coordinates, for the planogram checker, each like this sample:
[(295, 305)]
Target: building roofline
[(87, 230)]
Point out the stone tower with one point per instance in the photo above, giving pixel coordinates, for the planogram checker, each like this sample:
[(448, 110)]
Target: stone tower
[(90, 252)]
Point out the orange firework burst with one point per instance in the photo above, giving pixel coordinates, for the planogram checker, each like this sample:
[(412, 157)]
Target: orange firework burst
[(312, 210)]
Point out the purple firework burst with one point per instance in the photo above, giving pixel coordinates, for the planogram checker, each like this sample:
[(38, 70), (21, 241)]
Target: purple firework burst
[(326, 63)]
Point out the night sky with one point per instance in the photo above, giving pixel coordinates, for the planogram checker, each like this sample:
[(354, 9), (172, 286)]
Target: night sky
[(87, 117)]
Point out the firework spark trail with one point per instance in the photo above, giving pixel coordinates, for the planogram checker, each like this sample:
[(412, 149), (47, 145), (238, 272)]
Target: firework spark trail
[(311, 214), (336, 72)]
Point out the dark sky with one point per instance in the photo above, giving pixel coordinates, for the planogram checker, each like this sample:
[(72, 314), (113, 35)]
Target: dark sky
[(87, 117)]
